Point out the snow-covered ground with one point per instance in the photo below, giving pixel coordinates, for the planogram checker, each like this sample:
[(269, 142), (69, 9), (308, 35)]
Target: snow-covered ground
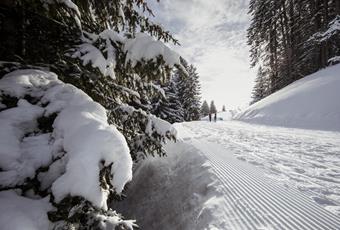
[(311, 102), (174, 192), (304, 159), (241, 176)]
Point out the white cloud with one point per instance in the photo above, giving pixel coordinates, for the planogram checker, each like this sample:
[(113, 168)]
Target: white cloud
[(213, 37)]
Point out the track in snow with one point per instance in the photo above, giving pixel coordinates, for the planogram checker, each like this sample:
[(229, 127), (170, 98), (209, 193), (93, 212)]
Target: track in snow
[(254, 200)]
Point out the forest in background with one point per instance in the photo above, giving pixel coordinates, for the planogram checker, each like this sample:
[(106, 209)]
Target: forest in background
[(290, 39)]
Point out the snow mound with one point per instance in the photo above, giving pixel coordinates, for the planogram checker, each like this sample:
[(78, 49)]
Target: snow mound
[(79, 145), (310, 103), (29, 214), (174, 192)]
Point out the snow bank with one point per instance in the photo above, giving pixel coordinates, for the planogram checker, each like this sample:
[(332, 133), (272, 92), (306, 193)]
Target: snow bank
[(311, 103), (80, 145), (174, 192), (28, 214)]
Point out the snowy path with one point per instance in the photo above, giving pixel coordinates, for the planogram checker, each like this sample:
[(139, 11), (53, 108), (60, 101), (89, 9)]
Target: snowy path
[(265, 196)]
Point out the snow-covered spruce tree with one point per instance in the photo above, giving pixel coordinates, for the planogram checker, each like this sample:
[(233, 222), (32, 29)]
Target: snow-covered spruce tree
[(205, 109), (115, 54), (188, 91), (260, 89), (213, 107), (60, 159), (167, 106), (109, 49)]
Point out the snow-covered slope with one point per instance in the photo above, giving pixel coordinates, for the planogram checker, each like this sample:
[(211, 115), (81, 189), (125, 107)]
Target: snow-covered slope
[(312, 102)]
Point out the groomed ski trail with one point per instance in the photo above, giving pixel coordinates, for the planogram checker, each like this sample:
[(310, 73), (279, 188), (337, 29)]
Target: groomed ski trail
[(251, 199)]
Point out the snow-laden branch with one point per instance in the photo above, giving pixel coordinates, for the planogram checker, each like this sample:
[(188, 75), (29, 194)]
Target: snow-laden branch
[(72, 8), (145, 47), (334, 60), (160, 126), (105, 58), (100, 50), (333, 28), (154, 125), (82, 142)]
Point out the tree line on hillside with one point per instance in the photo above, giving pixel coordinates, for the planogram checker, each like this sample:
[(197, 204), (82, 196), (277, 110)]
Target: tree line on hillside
[(290, 39), (99, 47)]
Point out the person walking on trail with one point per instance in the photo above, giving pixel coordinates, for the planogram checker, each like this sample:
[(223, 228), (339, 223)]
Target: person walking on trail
[(210, 117), (213, 110)]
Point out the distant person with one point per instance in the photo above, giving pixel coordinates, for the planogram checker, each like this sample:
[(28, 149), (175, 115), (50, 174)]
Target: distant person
[(210, 117), (215, 117)]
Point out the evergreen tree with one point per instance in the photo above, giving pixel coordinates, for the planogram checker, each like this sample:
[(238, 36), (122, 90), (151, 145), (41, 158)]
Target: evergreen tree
[(168, 106), (223, 108), (189, 91), (205, 109), (260, 88), (212, 107), (91, 44), (94, 45)]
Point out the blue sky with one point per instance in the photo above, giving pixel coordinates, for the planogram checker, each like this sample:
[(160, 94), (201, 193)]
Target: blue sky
[(213, 38)]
